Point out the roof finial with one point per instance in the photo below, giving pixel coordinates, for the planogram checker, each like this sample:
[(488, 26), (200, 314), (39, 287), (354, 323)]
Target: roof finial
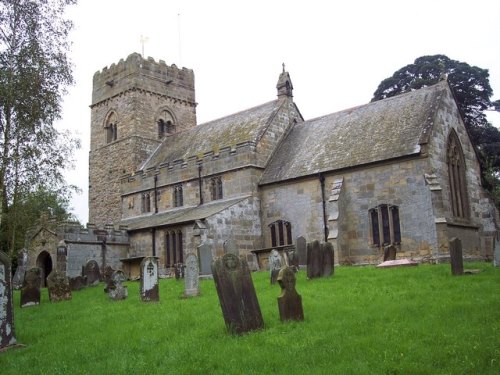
[(283, 67)]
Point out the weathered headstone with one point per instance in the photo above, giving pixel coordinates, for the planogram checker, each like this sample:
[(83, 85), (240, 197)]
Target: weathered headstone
[(237, 296), (179, 270), (398, 263), (289, 302), (108, 271), (91, 270), (7, 336), (206, 258), (456, 259), (314, 260), (292, 259), (62, 254), (149, 280), (192, 284), (328, 264), (77, 282), (22, 265), (58, 286), (230, 247), (301, 249), (30, 292), (389, 252), (496, 254), (116, 289), (274, 265)]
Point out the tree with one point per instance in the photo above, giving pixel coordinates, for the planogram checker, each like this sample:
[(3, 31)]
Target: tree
[(34, 74), (473, 93)]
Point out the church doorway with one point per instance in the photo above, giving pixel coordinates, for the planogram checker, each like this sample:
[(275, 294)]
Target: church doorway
[(44, 262)]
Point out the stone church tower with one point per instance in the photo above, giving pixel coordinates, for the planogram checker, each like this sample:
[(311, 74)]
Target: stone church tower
[(135, 104)]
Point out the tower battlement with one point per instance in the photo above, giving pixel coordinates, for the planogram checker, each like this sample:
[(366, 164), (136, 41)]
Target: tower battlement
[(138, 73)]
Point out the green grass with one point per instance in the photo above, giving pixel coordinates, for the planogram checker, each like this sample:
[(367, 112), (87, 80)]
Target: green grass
[(416, 320)]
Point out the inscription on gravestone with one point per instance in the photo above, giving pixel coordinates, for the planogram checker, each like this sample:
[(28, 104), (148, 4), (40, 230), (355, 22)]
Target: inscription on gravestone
[(58, 286), (7, 337), (456, 259), (237, 297), (274, 265), (289, 302), (30, 292), (191, 286), (149, 280)]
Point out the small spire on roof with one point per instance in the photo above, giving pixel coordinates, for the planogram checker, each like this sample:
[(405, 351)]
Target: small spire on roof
[(284, 86), (283, 67)]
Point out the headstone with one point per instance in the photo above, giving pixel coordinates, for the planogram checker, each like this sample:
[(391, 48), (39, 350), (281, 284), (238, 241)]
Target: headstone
[(328, 264), (179, 271), (389, 252), (237, 296), (274, 265), (496, 255), (77, 283), (62, 254), (456, 259), (314, 260), (92, 272), (58, 286), (7, 336), (192, 284), (301, 247), (116, 289), (108, 271), (30, 293), (22, 264), (398, 263), (289, 302), (206, 259), (293, 260), (230, 247), (149, 280)]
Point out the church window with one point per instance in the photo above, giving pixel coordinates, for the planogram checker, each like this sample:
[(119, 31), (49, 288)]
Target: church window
[(456, 176), (385, 226), (146, 202), (281, 233), (165, 124), (178, 196), (216, 188), (174, 252), (110, 128)]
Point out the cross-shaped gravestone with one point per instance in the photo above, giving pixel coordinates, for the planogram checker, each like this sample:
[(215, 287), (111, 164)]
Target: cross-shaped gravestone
[(237, 296), (30, 292), (289, 302), (7, 337), (191, 274), (58, 286), (149, 280)]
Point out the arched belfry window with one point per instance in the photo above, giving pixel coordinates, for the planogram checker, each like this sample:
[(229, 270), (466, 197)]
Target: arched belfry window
[(456, 175), (110, 127), (166, 124)]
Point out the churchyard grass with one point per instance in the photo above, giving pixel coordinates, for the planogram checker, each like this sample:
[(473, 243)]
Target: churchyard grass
[(363, 320)]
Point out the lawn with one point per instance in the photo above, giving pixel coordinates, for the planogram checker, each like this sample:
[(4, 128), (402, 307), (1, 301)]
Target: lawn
[(363, 320)]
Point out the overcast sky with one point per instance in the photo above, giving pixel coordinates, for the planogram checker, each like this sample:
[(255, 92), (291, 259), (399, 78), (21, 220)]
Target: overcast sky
[(337, 52)]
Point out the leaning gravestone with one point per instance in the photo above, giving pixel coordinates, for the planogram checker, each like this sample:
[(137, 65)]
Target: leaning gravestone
[(58, 286), (206, 259), (22, 265), (314, 260), (116, 289), (236, 292), (149, 280), (389, 252), (328, 265), (289, 302), (7, 337), (274, 265), (301, 251), (91, 270), (30, 293), (191, 281), (456, 259)]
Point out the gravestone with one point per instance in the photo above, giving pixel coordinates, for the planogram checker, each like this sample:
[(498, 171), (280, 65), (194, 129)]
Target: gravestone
[(328, 264), (301, 249), (496, 254), (456, 259), (106, 274), (237, 296), (22, 265), (7, 337), (30, 293), (116, 289), (78, 282), (192, 284), (58, 286), (61, 258), (206, 259), (149, 280), (179, 270), (389, 252), (289, 302), (91, 270), (293, 260), (274, 265), (314, 260), (230, 247)]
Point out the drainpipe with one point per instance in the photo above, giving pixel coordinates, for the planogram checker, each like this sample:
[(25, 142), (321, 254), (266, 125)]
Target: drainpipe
[(323, 202), (155, 195), (200, 180)]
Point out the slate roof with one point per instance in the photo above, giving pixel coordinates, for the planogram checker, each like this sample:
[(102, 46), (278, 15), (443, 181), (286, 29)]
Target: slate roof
[(180, 215), (374, 132), (229, 131)]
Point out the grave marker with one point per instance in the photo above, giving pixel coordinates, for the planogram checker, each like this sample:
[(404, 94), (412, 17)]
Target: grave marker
[(22, 264), (206, 259), (116, 290), (230, 247), (328, 264), (58, 286), (149, 280), (77, 283), (236, 292), (456, 259), (191, 286), (496, 254), (92, 272), (389, 252), (7, 337), (289, 302), (301, 250), (314, 260), (108, 271), (274, 265), (30, 292)]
